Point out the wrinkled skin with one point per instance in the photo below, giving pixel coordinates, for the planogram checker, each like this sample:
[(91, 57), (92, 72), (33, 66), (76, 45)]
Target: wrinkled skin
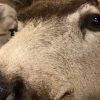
[(54, 60), (8, 21)]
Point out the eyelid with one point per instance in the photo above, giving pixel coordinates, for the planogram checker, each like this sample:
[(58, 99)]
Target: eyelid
[(84, 19), (90, 21)]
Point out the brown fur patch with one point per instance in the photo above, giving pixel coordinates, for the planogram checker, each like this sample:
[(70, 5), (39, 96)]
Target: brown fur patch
[(47, 8)]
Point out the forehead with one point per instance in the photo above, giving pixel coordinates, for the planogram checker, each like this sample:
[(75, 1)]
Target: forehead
[(93, 5), (72, 5)]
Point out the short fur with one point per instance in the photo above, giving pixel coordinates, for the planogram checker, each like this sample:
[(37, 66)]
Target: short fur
[(45, 8), (52, 59)]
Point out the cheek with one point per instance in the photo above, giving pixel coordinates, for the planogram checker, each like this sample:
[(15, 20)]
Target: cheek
[(91, 48), (92, 38)]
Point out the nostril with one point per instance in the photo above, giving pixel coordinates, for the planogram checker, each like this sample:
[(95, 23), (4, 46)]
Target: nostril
[(13, 30)]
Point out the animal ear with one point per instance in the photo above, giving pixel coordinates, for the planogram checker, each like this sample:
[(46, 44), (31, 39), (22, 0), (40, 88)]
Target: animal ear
[(22, 3)]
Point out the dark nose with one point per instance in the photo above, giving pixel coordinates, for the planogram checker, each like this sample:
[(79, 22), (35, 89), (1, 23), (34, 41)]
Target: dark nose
[(13, 30)]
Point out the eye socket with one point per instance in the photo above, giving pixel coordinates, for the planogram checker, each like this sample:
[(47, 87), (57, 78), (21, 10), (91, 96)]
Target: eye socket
[(91, 22)]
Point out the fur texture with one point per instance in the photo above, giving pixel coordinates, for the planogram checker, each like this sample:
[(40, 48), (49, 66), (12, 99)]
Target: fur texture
[(45, 8), (52, 61)]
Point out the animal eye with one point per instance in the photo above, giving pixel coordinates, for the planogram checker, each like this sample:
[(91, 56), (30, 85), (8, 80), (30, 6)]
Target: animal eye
[(91, 22)]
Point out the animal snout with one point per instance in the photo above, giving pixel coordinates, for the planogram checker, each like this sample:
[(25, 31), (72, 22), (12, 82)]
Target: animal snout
[(13, 29)]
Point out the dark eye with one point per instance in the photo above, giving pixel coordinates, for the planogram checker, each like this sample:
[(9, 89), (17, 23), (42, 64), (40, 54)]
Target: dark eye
[(91, 22)]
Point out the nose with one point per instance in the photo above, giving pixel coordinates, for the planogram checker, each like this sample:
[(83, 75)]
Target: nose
[(14, 29)]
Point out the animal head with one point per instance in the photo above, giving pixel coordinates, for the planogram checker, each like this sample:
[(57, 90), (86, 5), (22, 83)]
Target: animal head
[(56, 56)]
